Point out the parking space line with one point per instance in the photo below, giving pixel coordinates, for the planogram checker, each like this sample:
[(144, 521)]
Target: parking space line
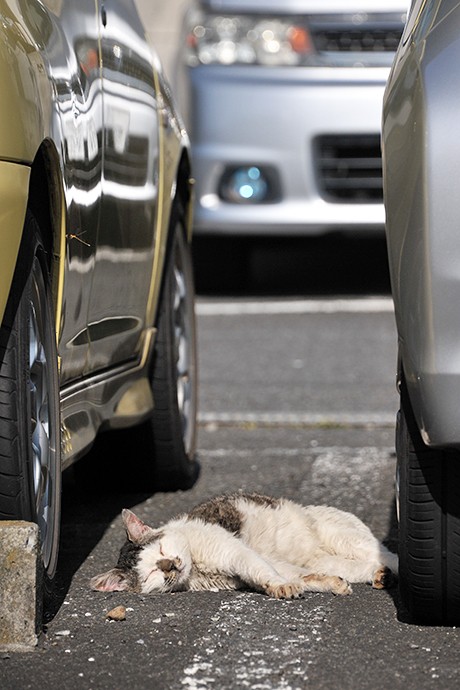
[(316, 450), (305, 306), (275, 419)]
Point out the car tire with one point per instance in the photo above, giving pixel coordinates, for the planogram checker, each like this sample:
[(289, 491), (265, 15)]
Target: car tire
[(30, 470), (168, 437), (429, 529)]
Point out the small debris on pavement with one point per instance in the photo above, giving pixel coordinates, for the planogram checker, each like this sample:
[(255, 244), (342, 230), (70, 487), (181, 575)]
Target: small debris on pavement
[(117, 614)]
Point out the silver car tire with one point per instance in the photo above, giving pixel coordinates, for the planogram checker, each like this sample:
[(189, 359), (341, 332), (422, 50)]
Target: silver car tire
[(429, 524), (30, 473)]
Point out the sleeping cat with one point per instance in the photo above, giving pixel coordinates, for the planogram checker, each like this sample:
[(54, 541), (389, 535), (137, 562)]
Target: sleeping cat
[(266, 544)]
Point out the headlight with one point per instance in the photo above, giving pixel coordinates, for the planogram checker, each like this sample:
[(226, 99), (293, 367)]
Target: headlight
[(331, 40), (241, 39)]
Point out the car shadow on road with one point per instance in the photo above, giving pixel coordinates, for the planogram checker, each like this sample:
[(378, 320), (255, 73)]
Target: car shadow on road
[(332, 264), (391, 541), (81, 531), (95, 490)]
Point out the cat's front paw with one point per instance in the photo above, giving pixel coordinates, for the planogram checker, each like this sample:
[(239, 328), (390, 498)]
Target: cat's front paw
[(288, 590)]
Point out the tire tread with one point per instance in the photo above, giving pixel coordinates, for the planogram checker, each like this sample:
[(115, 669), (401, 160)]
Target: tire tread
[(429, 524)]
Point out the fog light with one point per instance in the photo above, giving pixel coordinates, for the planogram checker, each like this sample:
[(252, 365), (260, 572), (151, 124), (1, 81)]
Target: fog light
[(246, 185)]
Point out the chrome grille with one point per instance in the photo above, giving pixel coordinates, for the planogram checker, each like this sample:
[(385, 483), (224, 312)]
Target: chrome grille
[(365, 40), (349, 168), (360, 34)]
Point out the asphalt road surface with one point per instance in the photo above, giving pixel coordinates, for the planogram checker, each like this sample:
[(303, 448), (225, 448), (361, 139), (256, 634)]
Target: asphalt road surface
[(238, 639), (297, 399)]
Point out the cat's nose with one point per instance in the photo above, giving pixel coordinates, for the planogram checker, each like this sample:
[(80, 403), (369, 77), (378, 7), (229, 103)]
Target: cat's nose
[(167, 565)]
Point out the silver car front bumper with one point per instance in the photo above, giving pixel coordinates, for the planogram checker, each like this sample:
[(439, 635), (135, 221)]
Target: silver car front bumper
[(421, 181), (317, 129)]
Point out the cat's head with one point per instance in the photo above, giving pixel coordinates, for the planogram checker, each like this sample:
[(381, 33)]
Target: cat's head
[(151, 560)]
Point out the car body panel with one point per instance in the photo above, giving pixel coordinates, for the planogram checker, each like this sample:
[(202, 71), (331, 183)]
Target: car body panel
[(14, 183), (27, 102), (421, 172), (129, 192), (283, 123), (81, 87)]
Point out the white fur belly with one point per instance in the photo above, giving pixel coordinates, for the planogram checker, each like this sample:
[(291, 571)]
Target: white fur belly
[(281, 536)]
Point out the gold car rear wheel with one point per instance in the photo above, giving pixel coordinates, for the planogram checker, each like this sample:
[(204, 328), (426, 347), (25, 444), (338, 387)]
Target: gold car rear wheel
[(162, 449), (170, 433), (30, 475)]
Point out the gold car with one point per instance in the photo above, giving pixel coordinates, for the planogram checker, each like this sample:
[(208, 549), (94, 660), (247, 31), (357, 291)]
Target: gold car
[(96, 288)]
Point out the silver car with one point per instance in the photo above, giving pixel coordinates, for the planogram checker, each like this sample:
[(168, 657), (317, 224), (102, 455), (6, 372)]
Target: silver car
[(283, 104), (421, 168)]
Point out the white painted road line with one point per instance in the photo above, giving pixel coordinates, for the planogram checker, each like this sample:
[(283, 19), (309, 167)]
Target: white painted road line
[(333, 419), (367, 454), (369, 305)]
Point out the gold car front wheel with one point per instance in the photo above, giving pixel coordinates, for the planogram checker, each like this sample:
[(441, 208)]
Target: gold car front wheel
[(30, 475)]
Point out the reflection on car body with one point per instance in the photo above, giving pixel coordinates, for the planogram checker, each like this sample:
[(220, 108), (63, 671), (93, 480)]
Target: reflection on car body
[(96, 281)]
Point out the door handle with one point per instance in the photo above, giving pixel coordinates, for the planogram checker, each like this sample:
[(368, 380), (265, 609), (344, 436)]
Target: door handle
[(103, 15)]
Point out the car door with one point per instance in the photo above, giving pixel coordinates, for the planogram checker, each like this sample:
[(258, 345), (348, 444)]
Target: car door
[(124, 255), (71, 35)]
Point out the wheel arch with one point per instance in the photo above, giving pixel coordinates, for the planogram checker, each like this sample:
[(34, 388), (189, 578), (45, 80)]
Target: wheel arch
[(181, 198), (46, 201), (180, 189), (185, 187)]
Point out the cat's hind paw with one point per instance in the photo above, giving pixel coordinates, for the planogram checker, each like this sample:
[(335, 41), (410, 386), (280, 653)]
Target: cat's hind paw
[(383, 578), (288, 590), (341, 586)]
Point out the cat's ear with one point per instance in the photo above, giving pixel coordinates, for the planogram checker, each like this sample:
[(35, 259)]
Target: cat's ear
[(114, 580), (136, 530)]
